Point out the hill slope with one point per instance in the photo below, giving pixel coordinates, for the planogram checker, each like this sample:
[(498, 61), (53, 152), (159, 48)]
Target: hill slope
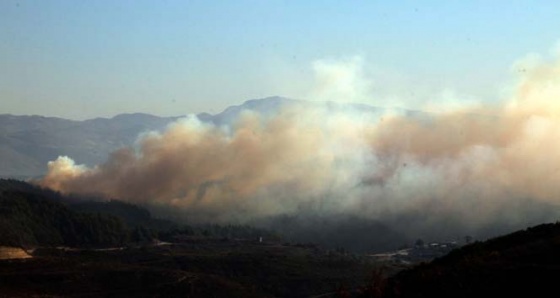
[(523, 263), (27, 143), (34, 216), (29, 217)]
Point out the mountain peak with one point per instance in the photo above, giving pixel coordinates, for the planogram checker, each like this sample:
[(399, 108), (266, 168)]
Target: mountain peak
[(268, 100)]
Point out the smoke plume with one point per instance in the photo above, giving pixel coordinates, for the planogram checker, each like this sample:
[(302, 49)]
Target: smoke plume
[(469, 167)]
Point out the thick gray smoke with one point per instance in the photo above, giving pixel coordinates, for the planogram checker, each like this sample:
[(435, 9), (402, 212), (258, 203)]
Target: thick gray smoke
[(468, 168)]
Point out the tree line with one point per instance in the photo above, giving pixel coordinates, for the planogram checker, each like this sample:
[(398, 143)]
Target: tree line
[(34, 216)]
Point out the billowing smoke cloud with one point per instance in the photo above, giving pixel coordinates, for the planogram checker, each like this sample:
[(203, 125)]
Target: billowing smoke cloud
[(341, 81), (259, 166), (471, 167)]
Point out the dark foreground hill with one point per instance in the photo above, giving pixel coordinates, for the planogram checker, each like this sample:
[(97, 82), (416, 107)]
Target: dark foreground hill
[(522, 264)]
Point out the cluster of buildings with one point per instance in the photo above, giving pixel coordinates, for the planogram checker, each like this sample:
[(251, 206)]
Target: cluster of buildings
[(420, 252)]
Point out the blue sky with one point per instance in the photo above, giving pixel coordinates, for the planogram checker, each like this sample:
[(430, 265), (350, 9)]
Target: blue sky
[(83, 59)]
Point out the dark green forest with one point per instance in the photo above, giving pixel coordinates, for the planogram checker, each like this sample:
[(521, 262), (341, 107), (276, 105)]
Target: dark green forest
[(33, 216), (30, 217)]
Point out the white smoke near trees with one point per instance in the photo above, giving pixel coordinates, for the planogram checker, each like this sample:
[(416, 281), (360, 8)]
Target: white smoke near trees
[(471, 165)]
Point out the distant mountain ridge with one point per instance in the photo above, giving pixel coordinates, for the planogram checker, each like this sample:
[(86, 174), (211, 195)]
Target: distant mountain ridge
[(28, 143)]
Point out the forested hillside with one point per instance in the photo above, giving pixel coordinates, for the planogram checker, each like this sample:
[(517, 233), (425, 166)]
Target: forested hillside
[(525, 263), (34, 216), (30, 216)]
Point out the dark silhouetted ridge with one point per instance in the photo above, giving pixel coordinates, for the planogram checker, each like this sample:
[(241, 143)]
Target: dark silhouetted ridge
[(525, 263)]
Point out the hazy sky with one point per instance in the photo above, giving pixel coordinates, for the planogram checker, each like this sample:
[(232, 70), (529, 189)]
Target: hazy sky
[(83, 59)]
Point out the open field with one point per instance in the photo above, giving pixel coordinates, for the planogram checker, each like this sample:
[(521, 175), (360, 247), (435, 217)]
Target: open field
[(217, 268)]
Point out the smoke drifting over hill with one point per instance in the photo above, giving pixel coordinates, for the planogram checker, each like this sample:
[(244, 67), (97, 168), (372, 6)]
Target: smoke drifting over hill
[(470, 166)]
